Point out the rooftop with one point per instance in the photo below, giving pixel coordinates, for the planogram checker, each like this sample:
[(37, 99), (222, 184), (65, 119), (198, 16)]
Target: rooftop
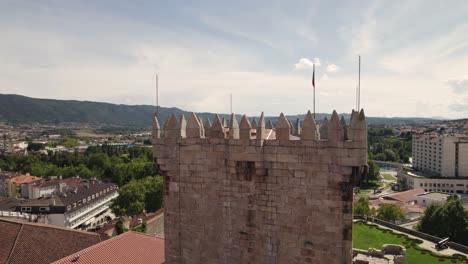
[(25, 179), (405, 196), (23, 242), (129, 247), (83, 191), (435, 195)]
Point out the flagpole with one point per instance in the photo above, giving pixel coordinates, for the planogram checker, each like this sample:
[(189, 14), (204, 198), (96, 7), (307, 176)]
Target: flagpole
[(359, 85), (313, 85), (157, 95)]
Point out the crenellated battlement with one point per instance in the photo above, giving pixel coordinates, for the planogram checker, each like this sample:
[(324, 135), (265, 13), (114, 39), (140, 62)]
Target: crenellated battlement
[(251, 192), (334, 131)]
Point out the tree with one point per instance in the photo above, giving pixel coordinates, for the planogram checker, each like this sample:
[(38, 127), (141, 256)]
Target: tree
[(447, 220), (390, 212), (390, 155), (374, 171), (141, 228), (138, 196), (35, 146), (130, 200), (380, 156), (120, 227), (361, 207)]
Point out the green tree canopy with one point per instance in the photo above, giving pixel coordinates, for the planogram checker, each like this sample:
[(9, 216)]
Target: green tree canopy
[(139, 195), (361, 207), (446, 220), (390, 212)]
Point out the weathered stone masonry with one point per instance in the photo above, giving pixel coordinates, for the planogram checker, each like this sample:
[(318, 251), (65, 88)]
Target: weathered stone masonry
[(233, 199)]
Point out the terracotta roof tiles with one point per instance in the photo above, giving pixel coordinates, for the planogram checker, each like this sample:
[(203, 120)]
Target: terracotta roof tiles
[(129, 247), (405, 196), (24, 242)]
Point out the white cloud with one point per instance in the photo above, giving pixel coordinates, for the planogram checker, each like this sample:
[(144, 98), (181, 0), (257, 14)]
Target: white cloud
[(459, 85), (333, 68), (325, 77), (305, 64)]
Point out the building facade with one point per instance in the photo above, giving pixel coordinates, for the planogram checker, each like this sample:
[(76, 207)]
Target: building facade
[(441, 154), (234, 196), (440, 164), (410, 179), (82, 207)]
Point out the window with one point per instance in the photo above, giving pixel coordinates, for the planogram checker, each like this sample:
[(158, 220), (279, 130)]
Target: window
[(84, 200), (74, 205), (89, 198), (68, 207), (93, 196), (25, 209)]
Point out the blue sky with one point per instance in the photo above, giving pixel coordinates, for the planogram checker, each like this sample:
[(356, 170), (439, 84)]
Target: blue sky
[(414, 54)]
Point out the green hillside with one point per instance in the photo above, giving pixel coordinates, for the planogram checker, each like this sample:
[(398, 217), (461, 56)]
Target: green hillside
[(22, 109)]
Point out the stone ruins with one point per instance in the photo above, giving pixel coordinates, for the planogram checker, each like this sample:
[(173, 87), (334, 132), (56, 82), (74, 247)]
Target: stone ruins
[(241, 194)]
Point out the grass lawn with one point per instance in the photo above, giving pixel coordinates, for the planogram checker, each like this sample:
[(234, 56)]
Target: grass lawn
[(365, 237), (388, 177), (370, 188)]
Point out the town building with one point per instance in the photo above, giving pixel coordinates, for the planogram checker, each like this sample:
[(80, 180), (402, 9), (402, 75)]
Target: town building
[(83, 207), (440, 164), (11, 184), (130, 247), (43, 188), (25, 242), (442, 155), (429, 198), (411, 179)]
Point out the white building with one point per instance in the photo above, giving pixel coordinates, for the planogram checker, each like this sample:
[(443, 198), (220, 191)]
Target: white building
[(84, 207), (411, 179), (427, 199), (440, 164), (441, 154)]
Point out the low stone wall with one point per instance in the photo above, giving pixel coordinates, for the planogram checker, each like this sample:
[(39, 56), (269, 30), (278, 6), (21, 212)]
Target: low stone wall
[(155, 226), (415, 233)]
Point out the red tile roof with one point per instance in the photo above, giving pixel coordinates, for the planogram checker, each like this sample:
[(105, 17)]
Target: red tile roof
[(406, 208), (71, 182), (24, 242), (129, 247), (405, 196), (25, 179)]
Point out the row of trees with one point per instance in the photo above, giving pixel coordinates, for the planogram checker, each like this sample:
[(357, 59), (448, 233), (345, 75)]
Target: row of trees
[(121, 164), (384, 145)]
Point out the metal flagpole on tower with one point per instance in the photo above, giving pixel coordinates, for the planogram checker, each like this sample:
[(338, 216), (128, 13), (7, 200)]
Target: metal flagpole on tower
[(359, 86), (157, 95), (313, 84)]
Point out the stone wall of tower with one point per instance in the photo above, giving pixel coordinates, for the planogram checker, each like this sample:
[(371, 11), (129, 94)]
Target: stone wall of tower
[(230, 198)]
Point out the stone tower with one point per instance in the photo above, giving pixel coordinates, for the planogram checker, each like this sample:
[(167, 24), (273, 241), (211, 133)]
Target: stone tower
[(243, 194)]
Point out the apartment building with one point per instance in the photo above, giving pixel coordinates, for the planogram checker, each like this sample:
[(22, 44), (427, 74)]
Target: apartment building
[(440, 164), (441, 154), (82, 207)]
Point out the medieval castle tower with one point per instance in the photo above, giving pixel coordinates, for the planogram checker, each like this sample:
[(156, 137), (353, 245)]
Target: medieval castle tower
[(241, 194)]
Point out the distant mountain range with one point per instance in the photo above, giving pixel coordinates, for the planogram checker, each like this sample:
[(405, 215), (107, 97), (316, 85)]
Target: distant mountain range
[(22, 109)]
